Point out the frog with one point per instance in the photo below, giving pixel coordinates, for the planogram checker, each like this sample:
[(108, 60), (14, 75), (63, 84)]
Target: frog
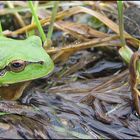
[(21, 61)]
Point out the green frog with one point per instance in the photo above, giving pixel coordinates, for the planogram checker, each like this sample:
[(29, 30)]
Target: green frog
[(20, 62)]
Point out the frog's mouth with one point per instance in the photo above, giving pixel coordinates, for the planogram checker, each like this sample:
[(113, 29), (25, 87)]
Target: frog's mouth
[(17, 66)]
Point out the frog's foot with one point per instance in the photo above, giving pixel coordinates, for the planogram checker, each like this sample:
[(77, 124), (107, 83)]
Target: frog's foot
[(14, 91)]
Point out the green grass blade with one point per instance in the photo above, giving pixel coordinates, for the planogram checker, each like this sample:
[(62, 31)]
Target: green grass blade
[(43, 36), (124, 51), (32, 32), (54, 12), (73, 133), (121, 22), (1, 34)]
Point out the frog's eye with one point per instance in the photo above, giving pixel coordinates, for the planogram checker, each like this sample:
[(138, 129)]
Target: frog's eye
[(17, 65)]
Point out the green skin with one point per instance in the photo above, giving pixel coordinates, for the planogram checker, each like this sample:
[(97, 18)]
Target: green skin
[(29, 50)]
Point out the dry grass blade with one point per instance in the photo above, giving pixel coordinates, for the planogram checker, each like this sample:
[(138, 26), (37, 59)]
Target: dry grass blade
[(17, 15), (101, 88), (80, 31), (60, 15), (107, 83), (94, 42), (76, 10), (63, 53)]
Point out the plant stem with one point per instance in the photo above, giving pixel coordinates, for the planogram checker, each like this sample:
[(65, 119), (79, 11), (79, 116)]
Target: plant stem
[(124, 51), (43, 36), (32, 32), (121, 22), (1, 29), (50, 30)]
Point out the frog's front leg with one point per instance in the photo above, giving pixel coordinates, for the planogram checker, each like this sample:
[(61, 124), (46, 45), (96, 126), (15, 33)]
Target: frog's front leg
[(134, 80), (13, 91)]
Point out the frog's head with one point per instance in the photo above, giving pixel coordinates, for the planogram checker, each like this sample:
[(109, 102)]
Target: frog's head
[(23, 60)]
